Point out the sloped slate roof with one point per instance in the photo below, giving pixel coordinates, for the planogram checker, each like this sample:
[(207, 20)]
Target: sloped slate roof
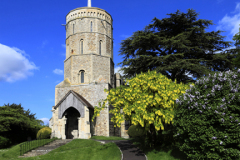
[(78, 96)]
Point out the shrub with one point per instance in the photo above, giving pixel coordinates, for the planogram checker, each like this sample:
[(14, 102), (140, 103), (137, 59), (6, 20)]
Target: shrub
[(148, 100), (206, 122), (4, 142), (136, 131), (44, 133)]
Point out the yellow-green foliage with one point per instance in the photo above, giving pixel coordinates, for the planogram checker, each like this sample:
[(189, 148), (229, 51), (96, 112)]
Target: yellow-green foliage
[(44, 133), (149, 99), (134, 131)]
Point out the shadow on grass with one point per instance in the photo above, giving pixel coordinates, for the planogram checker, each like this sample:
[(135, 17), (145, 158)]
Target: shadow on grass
[(170, 150)]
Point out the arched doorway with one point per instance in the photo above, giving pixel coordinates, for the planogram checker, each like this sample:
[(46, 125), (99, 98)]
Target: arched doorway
[(71, 127)]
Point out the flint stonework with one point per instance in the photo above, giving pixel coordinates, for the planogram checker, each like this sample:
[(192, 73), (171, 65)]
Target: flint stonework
[(86, 29)]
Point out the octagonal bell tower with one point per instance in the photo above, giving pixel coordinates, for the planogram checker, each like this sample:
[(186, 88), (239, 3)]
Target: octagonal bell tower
[(88, 71), (89, 46)]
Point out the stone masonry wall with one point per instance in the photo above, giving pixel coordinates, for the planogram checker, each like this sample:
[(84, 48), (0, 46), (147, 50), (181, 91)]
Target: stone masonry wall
[(67, 69), (93, 93), (81, 62), (97, 69), (90, 25), (101, 69)]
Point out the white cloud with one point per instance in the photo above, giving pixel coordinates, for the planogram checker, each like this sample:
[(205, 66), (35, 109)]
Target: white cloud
[(58, 71), (64, 45), (14, 64), (45, 120), (230, 23)]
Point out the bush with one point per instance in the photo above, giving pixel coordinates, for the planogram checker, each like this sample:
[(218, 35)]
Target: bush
[(4, 142), (44, 133), (136, 131), (206, 122)]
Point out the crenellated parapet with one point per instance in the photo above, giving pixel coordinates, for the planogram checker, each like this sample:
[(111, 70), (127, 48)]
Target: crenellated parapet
[(89, 12)]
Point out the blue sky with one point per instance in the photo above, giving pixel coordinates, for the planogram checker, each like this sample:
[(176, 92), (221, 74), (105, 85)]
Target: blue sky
[(32, 40)]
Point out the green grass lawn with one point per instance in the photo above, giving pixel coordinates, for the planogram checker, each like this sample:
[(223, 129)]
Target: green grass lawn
[(161, 152), (107, 138), (76, 149), (92, 150)]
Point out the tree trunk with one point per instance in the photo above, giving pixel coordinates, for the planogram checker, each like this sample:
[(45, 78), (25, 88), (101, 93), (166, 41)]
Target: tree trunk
[(153, 135)]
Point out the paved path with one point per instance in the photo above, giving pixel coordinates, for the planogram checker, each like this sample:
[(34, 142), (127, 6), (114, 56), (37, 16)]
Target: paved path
[(129, 151)]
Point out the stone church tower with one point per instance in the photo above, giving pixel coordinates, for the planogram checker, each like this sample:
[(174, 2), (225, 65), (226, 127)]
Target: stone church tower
[(88, 70)]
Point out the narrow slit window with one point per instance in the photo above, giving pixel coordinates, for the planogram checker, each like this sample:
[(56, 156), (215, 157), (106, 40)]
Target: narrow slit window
[(82, 77), (81, 47), (99, 47)]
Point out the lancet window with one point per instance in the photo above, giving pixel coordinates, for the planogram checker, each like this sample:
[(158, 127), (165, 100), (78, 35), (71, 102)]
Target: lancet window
[(81, 46), (81, 76)]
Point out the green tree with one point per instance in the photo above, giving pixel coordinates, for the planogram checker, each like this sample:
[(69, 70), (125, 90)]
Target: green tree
[(16, 124), (236, 38), (179, 45), (148, 101)]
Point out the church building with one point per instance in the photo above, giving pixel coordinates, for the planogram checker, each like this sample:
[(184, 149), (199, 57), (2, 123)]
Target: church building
[(88, 70)]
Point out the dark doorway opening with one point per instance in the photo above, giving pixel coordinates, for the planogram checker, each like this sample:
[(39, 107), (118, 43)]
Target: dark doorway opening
[(71, 126)]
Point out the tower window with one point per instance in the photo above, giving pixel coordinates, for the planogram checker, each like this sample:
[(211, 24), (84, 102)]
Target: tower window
[(73, 28), (91, 26), (81, 75), (81, 46), (100, 43)]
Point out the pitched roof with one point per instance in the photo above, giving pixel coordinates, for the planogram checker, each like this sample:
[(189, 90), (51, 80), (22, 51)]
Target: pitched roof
[(78, 96)]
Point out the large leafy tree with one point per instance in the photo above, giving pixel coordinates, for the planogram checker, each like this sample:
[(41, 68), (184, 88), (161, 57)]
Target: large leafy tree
[(178, 44), (16, 124), (148, 101)]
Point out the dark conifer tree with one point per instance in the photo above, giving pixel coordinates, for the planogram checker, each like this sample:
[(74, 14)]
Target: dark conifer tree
[(178, 44)]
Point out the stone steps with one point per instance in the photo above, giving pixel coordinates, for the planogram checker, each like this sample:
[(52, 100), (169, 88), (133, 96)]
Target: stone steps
[(46, 148)]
